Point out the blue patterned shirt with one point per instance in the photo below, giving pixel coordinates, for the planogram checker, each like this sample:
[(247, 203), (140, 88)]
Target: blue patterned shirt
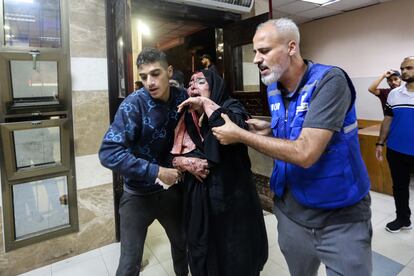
[(140, 138)]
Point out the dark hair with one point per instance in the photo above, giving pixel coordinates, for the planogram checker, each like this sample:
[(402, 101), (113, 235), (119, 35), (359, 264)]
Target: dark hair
[(207, 57), (178, 76), (139, 84), (152, 55)]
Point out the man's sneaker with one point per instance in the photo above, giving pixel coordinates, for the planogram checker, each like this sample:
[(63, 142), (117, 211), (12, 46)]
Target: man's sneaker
[(396, 226)]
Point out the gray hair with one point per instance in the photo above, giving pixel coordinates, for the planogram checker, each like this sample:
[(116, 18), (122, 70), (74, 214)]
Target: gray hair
[(285, 26)]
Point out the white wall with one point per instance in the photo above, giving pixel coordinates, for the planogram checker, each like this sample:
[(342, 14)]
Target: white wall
[(89, 74), (365, 43)]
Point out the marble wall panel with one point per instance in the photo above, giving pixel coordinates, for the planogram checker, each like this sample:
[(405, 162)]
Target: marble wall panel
[(90, 119), (96, 229), (86, 164), (89, 74), (87, 28)]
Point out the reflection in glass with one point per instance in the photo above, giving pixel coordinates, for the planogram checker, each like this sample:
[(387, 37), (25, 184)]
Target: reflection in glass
[(121, 78), (32, 23), (40, 205), (33, 86), (37, 147), (251, 80)]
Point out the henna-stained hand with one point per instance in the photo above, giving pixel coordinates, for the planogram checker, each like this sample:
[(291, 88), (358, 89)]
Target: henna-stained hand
[(196, 166), (193, 104)]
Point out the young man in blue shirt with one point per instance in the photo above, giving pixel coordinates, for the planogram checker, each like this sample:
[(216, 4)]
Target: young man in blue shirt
[(137, 146)]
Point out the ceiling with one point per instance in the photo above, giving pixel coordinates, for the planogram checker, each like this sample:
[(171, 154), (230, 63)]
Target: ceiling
[(302, 12), (167, 33)]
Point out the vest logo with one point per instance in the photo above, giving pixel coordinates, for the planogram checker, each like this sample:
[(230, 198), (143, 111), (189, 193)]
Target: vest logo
[(275, 107), (303, 104)]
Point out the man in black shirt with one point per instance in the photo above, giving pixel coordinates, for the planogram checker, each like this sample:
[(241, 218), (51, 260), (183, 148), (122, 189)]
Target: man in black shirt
[(207, 62)]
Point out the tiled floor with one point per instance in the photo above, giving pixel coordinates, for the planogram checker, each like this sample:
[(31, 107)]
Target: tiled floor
[(393, 253)]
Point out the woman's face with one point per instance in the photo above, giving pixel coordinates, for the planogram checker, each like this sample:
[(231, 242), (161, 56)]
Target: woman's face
[(198, 86)]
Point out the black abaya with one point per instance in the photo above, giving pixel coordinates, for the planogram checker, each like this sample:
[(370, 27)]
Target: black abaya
[(223, 217)]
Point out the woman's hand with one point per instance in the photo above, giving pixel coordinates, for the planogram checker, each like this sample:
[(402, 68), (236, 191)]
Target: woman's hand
[(193, 104), (196, 166)]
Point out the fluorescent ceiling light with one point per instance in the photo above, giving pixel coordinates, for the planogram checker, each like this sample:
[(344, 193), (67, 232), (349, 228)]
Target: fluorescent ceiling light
[(321, 2), (40, 84), (143, 28)]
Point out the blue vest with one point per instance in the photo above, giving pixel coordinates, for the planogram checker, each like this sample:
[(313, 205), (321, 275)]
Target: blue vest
[(339, 178)]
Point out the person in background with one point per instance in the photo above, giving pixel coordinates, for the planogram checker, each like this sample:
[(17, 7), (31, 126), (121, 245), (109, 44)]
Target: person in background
[(320, 181), (223, 217), (393, 79), (397, 129), (177, 79), (138, 85), (208, 64), (137, 146)]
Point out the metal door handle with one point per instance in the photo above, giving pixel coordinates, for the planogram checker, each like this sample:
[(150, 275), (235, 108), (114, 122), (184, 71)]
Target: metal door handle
[(36, 123), (34, 54)]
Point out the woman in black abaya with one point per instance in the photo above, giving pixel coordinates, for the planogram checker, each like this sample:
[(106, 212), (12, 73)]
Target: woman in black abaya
[(223, 217)]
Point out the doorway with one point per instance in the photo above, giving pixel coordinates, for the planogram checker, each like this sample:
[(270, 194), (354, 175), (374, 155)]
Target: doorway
[(185, 33)]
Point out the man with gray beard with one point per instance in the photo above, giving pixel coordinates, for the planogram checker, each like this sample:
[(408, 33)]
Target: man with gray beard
[(321, 185)]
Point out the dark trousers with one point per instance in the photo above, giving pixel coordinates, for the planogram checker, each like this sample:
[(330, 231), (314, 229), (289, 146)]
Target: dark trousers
[(400, 165), (136, 214)]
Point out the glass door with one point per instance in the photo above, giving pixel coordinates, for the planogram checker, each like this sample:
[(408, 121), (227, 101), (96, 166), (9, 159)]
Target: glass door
[(36, 126), (242, 76), (120, 73)]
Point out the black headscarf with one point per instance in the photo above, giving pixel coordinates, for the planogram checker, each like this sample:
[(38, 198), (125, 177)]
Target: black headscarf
[(210, 145), (218, 93)]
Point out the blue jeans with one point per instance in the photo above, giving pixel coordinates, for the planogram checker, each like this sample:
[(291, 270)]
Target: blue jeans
[(137, 212)]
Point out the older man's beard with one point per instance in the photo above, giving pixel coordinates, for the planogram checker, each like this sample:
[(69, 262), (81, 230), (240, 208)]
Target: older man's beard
[(275, 74)]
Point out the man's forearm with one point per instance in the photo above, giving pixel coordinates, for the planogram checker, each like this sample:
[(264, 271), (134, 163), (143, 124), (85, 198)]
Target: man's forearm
[(373, 88), (303, 151), (289, 151), (385, 129)]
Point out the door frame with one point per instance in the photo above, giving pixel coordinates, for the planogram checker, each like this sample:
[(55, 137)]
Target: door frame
[(239, 34), (157, 8), (114, 31)]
